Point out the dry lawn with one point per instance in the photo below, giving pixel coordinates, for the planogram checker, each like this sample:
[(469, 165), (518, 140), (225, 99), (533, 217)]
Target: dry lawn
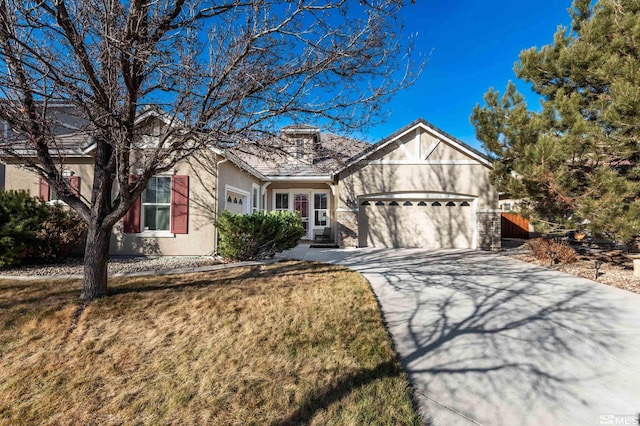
[(286, 343)]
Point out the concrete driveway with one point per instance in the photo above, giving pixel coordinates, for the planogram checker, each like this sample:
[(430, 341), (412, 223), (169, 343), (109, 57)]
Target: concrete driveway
[(493, 341)]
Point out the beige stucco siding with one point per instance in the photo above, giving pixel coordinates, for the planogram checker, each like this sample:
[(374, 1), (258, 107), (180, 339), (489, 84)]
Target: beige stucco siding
[(232, 178), (471, 180), (419, 165), (200, 239), (20, 178)]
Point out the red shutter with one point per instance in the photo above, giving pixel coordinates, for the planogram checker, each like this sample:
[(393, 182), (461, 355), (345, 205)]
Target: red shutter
[(180, 204), (74, 183), (43, 189), (132, 218)]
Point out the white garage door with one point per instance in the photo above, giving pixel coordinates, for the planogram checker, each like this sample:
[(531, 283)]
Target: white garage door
[(443, 223)]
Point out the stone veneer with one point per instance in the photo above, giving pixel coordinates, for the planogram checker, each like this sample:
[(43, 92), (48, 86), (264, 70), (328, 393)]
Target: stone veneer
[(489, 230), (347, 229)]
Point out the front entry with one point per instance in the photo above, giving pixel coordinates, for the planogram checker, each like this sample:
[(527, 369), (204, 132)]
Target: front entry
[(301, 205)]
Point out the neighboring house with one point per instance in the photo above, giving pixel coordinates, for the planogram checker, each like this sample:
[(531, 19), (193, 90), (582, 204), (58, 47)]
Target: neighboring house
[(420, 187)]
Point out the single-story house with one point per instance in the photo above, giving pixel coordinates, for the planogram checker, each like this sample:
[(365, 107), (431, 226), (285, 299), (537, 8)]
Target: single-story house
[(419, 187)]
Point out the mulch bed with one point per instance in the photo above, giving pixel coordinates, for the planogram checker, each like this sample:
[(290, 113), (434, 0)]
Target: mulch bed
[(616, 270)]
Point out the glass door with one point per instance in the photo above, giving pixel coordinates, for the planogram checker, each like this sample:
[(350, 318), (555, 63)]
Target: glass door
[(301, 205)]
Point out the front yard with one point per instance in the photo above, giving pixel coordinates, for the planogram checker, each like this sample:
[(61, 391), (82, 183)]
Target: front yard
[(285, 343)]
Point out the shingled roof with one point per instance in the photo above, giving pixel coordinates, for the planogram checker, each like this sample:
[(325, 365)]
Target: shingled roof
[(329, 152)]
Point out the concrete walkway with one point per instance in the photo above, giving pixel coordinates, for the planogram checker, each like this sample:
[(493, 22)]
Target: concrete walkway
[(493, 341)]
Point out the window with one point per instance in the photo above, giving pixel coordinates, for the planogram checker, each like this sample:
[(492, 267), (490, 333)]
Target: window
[(320, 209), (156, 204), (162, 210), (255, 199), (299, 148), (282, 201)]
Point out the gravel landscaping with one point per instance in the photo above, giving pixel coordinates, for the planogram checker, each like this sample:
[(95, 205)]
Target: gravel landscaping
[(73, 266), (616, 270)]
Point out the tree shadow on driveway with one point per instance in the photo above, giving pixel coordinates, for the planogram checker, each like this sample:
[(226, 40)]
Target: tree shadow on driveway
[(491, 339)]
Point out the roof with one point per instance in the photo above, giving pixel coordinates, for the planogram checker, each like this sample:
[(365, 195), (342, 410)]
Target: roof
[(70, 131), (420, 122), (271, 157)]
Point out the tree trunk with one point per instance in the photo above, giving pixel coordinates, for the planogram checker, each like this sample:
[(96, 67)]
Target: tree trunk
[(96, 258)]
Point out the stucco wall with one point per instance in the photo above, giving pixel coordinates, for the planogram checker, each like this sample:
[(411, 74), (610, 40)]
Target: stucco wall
[(200, 239), (20, 178), (231, 176), (472, 180)]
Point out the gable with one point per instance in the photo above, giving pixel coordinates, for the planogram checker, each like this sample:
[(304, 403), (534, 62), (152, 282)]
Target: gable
[(419, 143), (423, 146)]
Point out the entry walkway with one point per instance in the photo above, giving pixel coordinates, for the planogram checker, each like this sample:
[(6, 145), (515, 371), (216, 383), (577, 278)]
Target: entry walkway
[(493, 341)]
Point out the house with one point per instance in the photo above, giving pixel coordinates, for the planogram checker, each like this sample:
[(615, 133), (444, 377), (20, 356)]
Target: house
[(419, 187)]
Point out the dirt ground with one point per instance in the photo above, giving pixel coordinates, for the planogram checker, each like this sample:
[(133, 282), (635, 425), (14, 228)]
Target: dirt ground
[(616, 269)]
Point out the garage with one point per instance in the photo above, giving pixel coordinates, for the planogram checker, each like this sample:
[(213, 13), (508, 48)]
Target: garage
[(444, 222), (419, 187)]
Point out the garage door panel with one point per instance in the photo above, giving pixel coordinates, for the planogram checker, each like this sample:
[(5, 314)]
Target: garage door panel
[(417, 226)]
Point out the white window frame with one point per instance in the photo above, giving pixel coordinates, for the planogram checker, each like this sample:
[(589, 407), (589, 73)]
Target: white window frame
[(161, 233), (247, 197), (314, 209), (255, 198), (312, 228), (289, 203)]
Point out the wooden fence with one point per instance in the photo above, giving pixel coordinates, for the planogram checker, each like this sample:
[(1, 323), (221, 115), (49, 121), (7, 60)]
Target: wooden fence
[(514, 226)]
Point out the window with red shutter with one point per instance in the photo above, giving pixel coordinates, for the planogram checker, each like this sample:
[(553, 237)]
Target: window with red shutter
[(43, 189), (74, 184)]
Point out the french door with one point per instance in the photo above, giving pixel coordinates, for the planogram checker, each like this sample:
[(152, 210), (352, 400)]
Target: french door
[(301, 205)]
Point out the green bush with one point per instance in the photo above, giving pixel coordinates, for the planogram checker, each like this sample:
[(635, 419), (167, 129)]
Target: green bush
[(32, 229), (259, 235), (21, 217)]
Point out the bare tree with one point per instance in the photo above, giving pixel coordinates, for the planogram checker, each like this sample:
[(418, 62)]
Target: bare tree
[(217, 72)]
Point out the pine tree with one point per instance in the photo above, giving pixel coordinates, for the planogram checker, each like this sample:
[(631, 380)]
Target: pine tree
[(576, 161)]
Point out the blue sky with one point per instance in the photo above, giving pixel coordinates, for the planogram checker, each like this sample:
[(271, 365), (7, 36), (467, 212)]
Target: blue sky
[(474, 45)]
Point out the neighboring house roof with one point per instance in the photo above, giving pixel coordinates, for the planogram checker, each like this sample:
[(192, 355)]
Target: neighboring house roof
[(71, 133), (441, 134)]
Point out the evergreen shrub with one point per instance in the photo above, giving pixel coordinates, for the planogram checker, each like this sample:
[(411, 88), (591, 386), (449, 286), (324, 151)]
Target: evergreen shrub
[(31, 229), (21, 217), (259, 235)]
